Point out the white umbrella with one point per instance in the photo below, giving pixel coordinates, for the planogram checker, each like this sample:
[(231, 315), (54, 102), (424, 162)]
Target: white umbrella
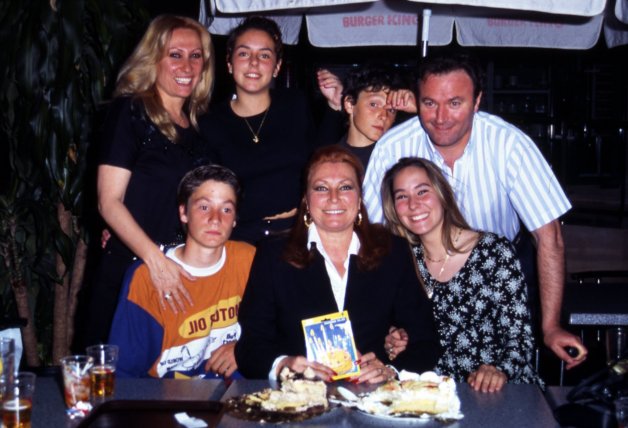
[(563, 24), (566, 7)]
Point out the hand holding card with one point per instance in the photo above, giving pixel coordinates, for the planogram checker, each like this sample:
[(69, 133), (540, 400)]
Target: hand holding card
[(329, 341)]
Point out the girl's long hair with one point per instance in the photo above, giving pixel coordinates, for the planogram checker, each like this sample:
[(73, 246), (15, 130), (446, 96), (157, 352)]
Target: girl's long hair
[(452, 217), (138, 75)]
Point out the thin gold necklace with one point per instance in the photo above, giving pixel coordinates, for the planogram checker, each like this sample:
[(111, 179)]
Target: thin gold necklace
[(431, 259), (446, 258), (259, 128)]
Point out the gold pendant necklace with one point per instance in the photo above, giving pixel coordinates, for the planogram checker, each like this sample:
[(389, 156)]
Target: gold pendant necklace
[(442, 268), (444, 260), (259, 128)]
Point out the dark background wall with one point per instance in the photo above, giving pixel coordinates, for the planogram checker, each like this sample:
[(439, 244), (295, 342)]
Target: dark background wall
[(180, 7)]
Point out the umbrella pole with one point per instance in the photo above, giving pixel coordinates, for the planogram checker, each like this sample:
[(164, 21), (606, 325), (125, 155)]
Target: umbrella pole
[(425, 33)]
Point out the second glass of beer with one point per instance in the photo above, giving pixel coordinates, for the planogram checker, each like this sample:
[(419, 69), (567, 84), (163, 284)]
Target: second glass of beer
[(103, 372), (17, 401)]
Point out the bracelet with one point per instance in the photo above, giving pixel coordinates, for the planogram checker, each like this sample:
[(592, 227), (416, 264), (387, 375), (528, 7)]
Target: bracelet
[(394, 369)]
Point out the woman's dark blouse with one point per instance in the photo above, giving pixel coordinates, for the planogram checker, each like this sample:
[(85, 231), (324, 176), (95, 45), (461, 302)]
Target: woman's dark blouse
[(278, 296), (270, 171), (131, 141), (482, 313)]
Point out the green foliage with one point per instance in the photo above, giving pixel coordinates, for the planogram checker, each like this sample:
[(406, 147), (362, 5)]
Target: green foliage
[(57, 65)]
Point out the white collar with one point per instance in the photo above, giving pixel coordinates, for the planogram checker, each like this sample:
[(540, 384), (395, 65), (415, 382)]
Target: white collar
[(313, 237), (198, 271)]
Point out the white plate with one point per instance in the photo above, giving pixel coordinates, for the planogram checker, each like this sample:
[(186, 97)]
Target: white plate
[(397, 418), (378, 419), (422, 418), (372, 404)]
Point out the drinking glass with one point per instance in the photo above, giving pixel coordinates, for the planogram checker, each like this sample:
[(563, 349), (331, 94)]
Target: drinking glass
[(104, 370), (76, 382), (17, 401)]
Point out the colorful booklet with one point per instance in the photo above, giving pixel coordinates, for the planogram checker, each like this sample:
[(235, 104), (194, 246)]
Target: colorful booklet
[(329, 341)]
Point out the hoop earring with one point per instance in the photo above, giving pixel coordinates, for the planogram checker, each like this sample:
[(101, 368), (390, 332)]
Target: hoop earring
[(307, 219), (358, 220)]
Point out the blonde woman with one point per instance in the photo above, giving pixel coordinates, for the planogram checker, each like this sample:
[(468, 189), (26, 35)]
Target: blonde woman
[(150, 141), (473, 278)]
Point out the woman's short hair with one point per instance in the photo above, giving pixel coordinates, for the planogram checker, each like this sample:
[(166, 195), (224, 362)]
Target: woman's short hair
[(452, 217), (199, 175), (260, 23), (374, 239), (138, 75)]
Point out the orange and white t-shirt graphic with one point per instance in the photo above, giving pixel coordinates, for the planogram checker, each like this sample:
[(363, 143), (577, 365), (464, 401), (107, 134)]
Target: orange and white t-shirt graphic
[(204, 332), (157, 342)]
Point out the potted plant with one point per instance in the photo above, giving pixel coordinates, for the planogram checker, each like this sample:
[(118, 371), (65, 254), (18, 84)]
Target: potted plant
[(57, 68)]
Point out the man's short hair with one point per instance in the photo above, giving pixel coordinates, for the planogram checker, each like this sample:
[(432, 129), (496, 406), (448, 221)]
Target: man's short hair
[(372, 78), (195, 178), (446, 62)]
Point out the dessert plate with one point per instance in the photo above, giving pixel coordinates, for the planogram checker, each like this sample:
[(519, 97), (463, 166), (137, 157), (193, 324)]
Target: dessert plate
[(414, 398)]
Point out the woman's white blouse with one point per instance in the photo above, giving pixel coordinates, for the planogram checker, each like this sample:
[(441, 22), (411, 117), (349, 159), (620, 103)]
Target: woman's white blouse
[(338, 283)]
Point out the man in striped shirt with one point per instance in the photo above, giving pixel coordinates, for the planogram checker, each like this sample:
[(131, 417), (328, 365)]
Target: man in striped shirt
[(498, 175)]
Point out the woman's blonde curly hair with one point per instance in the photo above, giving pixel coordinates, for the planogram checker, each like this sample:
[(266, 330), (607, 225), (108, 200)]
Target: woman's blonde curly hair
[(138, 75)]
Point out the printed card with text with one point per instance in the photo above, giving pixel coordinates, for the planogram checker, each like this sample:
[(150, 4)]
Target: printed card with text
[(329, 340)]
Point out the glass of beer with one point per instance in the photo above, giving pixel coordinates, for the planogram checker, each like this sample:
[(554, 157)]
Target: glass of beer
[(103, 372), (76, 382), (17, 401)]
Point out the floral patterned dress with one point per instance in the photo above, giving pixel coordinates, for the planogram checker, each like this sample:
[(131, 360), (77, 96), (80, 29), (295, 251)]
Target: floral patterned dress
[(482, 314)]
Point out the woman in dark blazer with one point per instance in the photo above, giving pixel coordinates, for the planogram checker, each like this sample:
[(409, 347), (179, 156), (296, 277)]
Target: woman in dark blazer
[(334, 260)]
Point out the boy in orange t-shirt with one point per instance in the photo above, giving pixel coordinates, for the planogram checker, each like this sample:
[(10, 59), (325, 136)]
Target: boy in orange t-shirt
[(155, 341)]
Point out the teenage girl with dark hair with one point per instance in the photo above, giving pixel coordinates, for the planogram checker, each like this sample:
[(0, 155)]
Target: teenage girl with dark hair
[(265, 135)]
